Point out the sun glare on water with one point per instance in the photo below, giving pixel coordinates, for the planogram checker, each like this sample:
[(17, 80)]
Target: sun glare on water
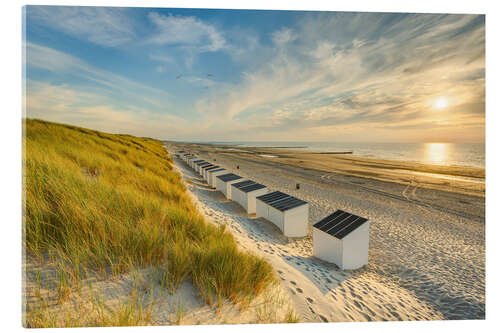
[(436, 152), (441, 103)]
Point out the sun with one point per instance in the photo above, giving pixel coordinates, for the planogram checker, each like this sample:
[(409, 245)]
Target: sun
[(441, 103)]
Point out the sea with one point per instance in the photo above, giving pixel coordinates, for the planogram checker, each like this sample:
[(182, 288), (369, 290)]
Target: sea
[(460, 154)]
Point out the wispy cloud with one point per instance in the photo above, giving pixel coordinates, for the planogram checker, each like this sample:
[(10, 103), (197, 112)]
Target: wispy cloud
[(316, 76), (187, 31), (63, 103), (100, 25), (120, 87), (337, 72), (162, 58)]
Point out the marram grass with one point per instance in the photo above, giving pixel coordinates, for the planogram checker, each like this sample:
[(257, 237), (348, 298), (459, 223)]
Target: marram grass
[(97, 202)]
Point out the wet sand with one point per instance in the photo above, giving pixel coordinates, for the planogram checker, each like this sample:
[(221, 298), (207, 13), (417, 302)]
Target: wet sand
[(427, 249)]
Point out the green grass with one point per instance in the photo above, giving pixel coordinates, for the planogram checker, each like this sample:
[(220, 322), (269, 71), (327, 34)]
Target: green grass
[(108, 203)]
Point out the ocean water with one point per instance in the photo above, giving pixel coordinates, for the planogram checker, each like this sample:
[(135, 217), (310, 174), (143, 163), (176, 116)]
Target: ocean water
[(462, 154)]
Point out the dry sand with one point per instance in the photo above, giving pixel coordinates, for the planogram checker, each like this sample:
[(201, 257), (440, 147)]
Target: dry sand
[(427, 250), (140, 291)]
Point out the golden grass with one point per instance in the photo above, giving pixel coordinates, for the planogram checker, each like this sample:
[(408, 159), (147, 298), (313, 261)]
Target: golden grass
[(97, 202)]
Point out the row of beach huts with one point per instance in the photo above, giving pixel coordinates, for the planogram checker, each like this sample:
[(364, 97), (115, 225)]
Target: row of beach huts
[(341, 237)]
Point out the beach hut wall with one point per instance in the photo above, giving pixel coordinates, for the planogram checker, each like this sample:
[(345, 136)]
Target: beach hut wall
[(262, 207), (179, 152), (196, 163), (199, 165), (342, 238), (204, 168), (213, 173), (245, 194), (193, 161), (289, 214), (205, 171), (223, 183)]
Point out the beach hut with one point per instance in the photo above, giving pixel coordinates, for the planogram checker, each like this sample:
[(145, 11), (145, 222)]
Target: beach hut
[(342, 238), (179, 152), (199, 165), (203, 167), (213, 173), (288, 213), (223, 183), (245, 193), (193, 161), (205, 171)]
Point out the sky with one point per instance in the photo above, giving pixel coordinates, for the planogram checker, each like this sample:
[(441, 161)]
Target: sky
[(246, 75)]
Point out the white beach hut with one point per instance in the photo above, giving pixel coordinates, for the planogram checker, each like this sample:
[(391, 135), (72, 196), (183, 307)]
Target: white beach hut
[(203, 167), (214, 173), (245, 193), (288, 213), (189, 158), (196, 162), (205, 171), (343, 239), (223, 183), (193, 160), (199, 165)]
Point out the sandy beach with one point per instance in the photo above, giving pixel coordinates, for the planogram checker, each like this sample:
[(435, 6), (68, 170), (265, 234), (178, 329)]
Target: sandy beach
[(427, 247)]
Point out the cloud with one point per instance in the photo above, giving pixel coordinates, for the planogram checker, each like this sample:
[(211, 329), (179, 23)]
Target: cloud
[(103, 26), (187, 31), (65, 66), (360, 69), (63, 103), (161, 58), (283, 37)]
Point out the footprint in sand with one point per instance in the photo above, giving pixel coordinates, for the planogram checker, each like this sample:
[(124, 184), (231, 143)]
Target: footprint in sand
[(323, 318), (299, 290), (310, 300), (311, 309), (293, 282)]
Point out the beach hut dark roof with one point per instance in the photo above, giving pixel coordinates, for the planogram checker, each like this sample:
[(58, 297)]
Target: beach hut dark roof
[(253, 187), (207, 166), (287, 203), (228, 177), (211, 167), (218, 169), (273, 196), (244, 183), (204, 164), (340, 223), (199, 161)]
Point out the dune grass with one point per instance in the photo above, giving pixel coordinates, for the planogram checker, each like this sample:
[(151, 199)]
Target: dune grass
[(108, 203)]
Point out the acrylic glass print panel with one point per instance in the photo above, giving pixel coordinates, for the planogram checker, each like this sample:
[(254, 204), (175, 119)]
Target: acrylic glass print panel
[(357, 139)]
